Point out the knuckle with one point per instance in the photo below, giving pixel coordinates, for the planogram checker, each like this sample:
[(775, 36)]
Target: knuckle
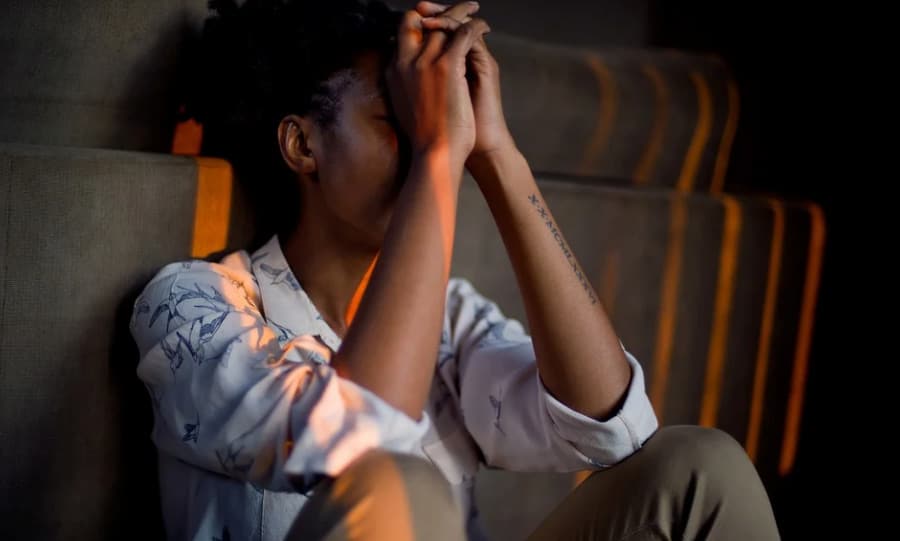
[(409, 19), (462, 8)]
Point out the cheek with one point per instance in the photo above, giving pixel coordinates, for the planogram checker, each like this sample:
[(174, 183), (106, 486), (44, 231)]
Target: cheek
[(384, 143), (373, 148), (379, 157), (363, 167)]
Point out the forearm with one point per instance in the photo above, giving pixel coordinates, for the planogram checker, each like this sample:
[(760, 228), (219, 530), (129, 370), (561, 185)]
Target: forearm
[(579, 356), (392, 343)]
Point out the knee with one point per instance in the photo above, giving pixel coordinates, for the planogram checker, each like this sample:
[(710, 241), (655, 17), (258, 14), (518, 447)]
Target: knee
[(692, 452), (381, 463), (419, 472), (379, 471), (699, 447), (694, 475), (384, 495)]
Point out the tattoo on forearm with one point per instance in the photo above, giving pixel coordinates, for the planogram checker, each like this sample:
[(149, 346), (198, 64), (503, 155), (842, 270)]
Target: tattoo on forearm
[(557, 236)]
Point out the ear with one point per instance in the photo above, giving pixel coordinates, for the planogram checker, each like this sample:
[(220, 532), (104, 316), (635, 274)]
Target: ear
[(297, 137)]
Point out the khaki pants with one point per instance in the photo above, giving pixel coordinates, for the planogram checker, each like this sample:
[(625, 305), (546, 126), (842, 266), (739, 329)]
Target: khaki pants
[(686, 482)]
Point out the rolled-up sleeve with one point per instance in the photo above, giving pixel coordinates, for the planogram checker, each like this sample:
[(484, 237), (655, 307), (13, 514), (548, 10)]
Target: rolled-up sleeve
[(604, 443), (230, 398), (518, 424)]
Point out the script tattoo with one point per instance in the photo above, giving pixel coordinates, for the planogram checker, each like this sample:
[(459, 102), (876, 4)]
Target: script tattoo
[(570, 257)]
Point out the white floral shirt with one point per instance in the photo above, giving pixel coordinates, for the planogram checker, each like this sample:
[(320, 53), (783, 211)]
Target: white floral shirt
[(248, 414)]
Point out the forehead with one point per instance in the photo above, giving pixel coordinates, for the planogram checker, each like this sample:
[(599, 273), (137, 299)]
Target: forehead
[(368, 86)]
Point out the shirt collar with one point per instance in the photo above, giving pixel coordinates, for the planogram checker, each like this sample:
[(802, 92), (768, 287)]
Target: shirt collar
[(286, 305)]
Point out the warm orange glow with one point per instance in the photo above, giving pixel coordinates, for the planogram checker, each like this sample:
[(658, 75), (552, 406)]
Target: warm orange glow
[(581, 477), (610, 281), (765, 331), (358, 294), (606, 113), (188, 138), (439, 172), (389, 516), (804, 338), (648, 158), (213, 207), (701, 134), (731, 123), (665, 331), (718, 341)]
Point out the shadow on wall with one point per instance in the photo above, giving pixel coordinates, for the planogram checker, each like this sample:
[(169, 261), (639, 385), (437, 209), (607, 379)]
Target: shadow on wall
[(136, 512), (151, 94)]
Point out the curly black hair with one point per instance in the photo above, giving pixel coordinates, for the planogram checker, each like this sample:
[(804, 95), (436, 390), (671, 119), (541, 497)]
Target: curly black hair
[(261, 60)]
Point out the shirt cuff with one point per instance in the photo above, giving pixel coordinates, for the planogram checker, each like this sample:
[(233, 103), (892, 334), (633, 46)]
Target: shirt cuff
[(604, 443)]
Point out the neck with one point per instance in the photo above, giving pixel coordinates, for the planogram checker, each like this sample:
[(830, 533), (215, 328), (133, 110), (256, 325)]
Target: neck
[(333, 271)]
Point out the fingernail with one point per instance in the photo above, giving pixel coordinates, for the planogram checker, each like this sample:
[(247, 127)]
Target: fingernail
[(474, 4)]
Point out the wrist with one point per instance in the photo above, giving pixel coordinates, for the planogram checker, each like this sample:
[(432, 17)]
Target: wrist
[(494, 164), (439, 162), (443, 151)]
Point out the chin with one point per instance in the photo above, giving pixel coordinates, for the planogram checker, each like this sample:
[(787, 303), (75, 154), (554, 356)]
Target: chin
[(379, 232), (372, 241)]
